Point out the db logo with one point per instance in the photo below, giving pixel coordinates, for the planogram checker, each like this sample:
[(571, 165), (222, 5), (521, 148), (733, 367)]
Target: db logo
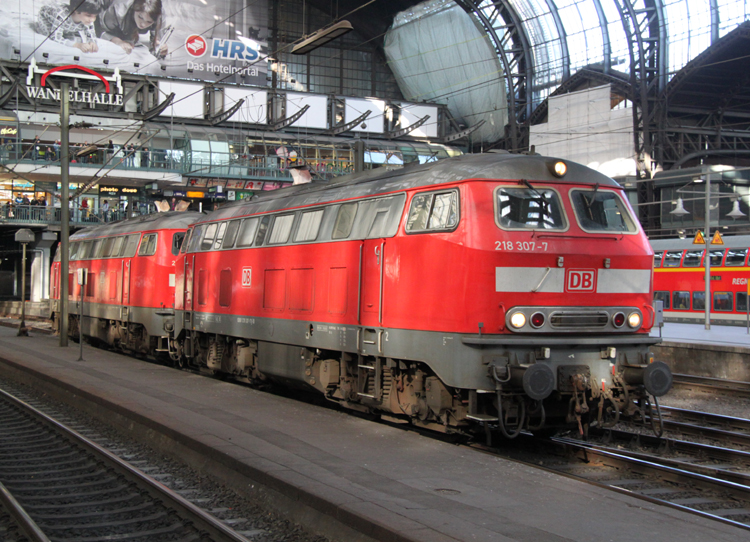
[(247, 277), (196, 46), (581, 280)]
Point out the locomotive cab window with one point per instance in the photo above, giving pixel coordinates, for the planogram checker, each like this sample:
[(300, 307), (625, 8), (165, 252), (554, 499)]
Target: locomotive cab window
[(220, 235), (602, 211), (177, 238), (195, 239), (148, 245), (433, 212), (528, 209), (736, 257), (693, 258), (186, 241), (130, 247), (672, 258)]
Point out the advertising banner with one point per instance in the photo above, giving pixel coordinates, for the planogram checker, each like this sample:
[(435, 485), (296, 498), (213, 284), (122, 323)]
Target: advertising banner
[(207, 40)]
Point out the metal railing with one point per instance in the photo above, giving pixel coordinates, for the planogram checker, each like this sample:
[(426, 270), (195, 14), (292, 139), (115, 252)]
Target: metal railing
[(40, 214)]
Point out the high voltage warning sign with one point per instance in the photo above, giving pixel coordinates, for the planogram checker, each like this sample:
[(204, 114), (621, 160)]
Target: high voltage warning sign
[(715, 240)]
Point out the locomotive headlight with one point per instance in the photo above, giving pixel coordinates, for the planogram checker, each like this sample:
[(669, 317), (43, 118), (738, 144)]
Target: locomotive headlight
[(518, 320), (559, 168), (634, 320)]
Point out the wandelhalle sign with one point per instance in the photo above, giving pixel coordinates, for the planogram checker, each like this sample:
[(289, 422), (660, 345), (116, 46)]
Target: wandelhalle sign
[(44, 92)]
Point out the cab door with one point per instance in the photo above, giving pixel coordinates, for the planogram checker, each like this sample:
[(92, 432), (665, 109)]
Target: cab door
[(371, 299), (126, 281)]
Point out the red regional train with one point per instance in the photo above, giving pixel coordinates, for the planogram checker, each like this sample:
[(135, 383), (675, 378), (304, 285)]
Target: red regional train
[(500, 291), (680, 278)]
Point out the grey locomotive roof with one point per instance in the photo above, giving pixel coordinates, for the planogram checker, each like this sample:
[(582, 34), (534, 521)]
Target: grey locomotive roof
[(492, 165), (730, 241), (171, 220)]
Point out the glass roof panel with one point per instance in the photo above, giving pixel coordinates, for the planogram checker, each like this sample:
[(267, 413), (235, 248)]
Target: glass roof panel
[(689, 31), (583, 30), (732, 13)]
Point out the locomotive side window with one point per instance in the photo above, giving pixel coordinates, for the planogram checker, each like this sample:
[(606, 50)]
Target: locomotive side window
[(209, 233), (430, 212), (148, 245), (177, 242), (108, 243), (86, 250), (97, 250), (693, 258), (723, 301), (117, 246), (73, 252), (528, 209), (658, 256), (663, 297), (231, 234), (282, 227), (681, 300), (716, 257), (220, 235), (344, 221), (195, 238), (186, 241), (262, 230), (379, 217), (672, 258), (246, 234), (699, 301), (130, 247), (736, 257), (309, 226), (602, 210)]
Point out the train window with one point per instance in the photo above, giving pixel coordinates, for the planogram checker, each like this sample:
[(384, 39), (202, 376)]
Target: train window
[(663, 297), (681, 301), (693, 258), (716, 257), (195, 238), (246, 234), (658, 256), (83, 252), (723, 301), (309, 226), (529, 209), (220, 235), (208, 236), (741, 301), (73, 252), (148, 245), (282, 227), (96, 252), (736, 257), (177, 242), (231, 234), (107, 250), (672, 258), (262, 230), (344, 221), (117, 246), (430, 212), (699, 301), (129, 248), (602, 210)]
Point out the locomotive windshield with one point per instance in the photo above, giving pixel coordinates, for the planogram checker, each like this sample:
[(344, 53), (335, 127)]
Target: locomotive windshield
[(529, 209), (602, 210)]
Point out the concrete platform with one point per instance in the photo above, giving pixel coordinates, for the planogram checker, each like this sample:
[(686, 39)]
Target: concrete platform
[(719, 352), (344, 476)]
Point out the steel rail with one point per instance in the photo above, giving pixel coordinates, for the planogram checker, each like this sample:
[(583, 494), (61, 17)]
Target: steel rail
[(27, 525), (733, 387), (721, 433), (202, 520)]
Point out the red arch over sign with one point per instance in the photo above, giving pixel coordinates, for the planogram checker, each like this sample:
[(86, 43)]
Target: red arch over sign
[(74, 67)]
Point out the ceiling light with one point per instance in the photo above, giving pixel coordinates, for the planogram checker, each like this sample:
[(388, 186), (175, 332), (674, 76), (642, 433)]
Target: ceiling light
[(321, 37)]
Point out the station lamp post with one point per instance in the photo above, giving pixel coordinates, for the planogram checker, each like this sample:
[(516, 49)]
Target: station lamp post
[(24, 236)]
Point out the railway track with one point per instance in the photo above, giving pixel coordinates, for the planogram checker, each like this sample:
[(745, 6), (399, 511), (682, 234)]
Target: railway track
[(69, 488), (735, 388), (715, 427)]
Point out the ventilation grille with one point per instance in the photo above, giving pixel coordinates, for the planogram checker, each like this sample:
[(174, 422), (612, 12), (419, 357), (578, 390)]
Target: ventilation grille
[(578, 319)]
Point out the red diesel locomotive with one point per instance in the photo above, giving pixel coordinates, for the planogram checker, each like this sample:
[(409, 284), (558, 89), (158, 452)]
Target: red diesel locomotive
[(128, 299), (500, 290), (680, 279)]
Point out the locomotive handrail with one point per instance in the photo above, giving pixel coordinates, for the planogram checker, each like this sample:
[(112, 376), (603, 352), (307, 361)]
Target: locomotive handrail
[(561, 341)]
